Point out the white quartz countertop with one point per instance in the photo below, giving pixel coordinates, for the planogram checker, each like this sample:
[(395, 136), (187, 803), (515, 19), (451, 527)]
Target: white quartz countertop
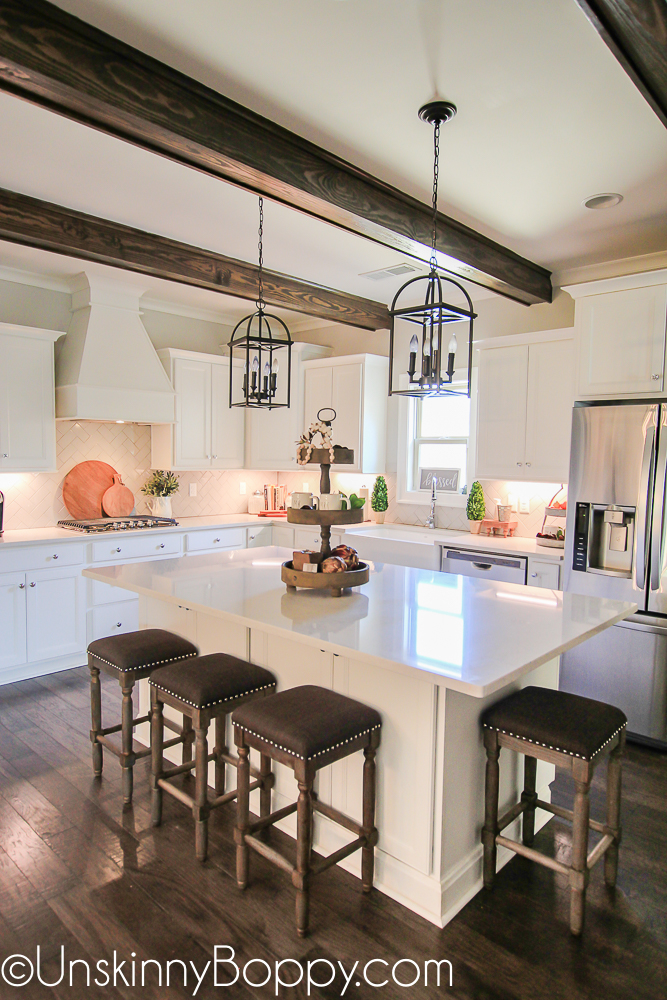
[(33, 536), (459, 539), (474, 636)]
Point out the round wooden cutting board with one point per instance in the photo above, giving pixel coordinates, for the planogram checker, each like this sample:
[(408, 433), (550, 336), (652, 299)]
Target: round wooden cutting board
[(84, 487), (118, 501)]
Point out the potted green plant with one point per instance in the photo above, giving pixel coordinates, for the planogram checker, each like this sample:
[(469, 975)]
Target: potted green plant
[(475, 508), (159, 489), (379, 499)]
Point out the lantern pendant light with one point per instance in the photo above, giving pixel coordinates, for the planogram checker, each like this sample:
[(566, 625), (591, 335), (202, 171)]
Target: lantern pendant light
[(258, 338), (430, 369)]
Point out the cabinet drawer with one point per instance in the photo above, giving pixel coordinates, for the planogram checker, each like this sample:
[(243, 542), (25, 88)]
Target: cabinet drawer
[(543, 574), (121, 548), (112, 619), (307, 538), (41, 556), (216, 538)]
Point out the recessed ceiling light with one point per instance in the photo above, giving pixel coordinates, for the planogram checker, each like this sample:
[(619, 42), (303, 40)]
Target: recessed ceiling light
[(607, 200)]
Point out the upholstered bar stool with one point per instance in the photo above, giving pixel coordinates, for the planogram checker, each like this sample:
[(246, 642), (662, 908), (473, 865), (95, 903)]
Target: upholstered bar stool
[(575, 734), (306, 728), (204, 689), (129, 658)]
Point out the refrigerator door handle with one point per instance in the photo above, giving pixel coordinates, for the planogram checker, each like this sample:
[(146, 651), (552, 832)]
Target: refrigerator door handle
[(657, 543), (642, 503)]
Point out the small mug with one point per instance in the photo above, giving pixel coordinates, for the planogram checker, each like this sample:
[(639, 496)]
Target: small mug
[(331, 501), (303, 500)]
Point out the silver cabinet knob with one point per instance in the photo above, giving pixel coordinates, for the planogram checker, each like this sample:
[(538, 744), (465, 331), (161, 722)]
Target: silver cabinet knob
[(118, 550), (654, 377), (21, 586), (251, 537), (519, 464), (5, 454), (533, 575), (527, 465), (119, 624), (214, 456), (216, 539), (33, 584), (55, 555), (161, 545)]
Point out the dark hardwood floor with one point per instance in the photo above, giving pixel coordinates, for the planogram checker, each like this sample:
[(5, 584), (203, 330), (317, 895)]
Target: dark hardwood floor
[(77, 871)]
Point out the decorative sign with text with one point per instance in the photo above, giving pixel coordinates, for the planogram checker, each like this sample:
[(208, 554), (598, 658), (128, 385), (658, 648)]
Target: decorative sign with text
[(446, 480)]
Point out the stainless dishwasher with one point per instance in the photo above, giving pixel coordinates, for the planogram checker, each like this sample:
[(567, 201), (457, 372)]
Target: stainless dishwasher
[(468, 562)]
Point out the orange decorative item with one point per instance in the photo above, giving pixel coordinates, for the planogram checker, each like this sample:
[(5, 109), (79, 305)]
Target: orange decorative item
[(118, 501), (84, 487)]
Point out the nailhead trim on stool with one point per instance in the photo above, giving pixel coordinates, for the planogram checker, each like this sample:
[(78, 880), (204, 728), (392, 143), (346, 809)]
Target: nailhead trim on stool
[(220, 701), (334, 746), (570, 753), (144, 666)]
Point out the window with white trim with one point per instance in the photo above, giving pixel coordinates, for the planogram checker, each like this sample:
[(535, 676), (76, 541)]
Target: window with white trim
[(442, 436)]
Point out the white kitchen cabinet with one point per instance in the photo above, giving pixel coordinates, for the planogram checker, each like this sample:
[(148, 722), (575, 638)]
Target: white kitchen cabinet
[(620, 333), (56, 613), (208, 433), (283, 535), (356, 388), (272, 435), (113, 619), (260, 535), (27, 399), (13, 618), (524, 411), (542, 573)]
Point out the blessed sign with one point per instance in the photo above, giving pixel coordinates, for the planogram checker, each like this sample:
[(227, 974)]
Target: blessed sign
[(446, 480)]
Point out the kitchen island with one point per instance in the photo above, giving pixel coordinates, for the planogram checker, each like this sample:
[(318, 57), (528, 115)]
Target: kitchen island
[(429, 650)]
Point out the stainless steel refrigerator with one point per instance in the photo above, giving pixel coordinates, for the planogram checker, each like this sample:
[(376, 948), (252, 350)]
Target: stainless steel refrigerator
[(615, 547)]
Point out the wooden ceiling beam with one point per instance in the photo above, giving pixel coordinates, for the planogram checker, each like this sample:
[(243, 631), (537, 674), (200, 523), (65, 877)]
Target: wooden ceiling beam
[(53, 59), (40, 224), (636, 32)]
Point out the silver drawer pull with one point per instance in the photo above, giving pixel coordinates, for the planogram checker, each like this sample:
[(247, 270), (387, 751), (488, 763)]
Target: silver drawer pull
[(533, 575), (55, 555), (118, 550), (482, 565), (216, 539), (21, 586), (161, 545), (5, 454), (527, 465), (119, 624), (32, 584)]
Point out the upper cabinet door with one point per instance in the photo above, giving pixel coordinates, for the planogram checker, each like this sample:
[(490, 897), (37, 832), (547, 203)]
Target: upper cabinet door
[(501, 413), (346, 399), (318, 390), (549, 411), (621, 338), (192, 433), (27, 408), (227, 437)]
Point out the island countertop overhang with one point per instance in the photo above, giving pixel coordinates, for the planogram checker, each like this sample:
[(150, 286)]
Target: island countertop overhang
[(472, 636)]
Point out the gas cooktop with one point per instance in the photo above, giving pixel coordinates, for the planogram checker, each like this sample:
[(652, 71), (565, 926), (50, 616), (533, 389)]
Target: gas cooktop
[(131, 523)]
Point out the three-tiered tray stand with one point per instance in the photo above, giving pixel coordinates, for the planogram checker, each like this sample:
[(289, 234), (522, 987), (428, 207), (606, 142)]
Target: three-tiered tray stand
[(335, 583)]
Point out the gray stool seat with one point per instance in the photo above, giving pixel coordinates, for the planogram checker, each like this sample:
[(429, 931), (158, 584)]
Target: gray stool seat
[(574, 733), (130, 657), (211, 680), (556, 720), (203, 689), (306, 728)]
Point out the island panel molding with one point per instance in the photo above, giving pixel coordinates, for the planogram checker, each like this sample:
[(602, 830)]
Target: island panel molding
[(635, 31), (55, 60), (35, 223)]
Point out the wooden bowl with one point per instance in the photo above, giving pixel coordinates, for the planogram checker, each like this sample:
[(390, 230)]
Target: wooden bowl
[(335, 582), (309, 516)]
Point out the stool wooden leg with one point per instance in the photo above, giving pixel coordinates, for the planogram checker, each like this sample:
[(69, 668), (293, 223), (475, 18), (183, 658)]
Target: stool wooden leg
[(490, 830), (201, 792), (304, 835), (242, 810), (96, 719), (265, 789), (368, 852), (157, 739), (613, 814), (529, 796), (127, 756), (220, 748), (188, 739), (579, 871)]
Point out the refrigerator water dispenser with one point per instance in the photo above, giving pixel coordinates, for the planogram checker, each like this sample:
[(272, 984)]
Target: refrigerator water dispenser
[(604, 539)]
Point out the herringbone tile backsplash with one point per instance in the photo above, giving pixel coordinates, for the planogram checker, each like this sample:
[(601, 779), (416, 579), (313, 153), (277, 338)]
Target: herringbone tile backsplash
[(34, 500)]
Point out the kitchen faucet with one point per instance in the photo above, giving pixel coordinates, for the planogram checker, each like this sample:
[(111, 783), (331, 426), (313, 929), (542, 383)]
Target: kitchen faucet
[(430, 520)]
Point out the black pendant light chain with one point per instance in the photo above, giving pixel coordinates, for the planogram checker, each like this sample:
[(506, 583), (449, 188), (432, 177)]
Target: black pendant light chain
[(260, 303), (434, 200)]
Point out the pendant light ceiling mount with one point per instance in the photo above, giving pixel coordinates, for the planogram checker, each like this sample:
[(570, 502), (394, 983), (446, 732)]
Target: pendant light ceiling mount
[(261, 335), (429, 377)]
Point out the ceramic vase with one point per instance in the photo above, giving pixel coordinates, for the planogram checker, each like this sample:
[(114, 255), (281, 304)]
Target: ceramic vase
[(379, 516), (475, 527), (159, 506)]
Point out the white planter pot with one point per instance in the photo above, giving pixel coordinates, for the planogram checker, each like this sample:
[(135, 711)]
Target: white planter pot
[(379, 516), (475, 527), (159, 506)]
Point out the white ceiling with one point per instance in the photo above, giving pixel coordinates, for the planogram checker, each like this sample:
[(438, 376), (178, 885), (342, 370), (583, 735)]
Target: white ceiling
[(546, 118)]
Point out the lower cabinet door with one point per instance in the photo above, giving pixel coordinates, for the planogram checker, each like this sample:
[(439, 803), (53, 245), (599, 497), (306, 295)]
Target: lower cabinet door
[(56, 613), (543, 574), (260, 536), (12, 616), (113, 619)]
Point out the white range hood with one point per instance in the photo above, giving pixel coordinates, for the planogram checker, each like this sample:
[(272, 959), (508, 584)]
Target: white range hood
[(107, 367)]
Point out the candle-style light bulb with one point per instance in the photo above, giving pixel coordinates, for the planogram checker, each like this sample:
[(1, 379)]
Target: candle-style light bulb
[(414, 344), (275, 367), (266, 369), (427, 348), (452, 345), (255, 364), (412, 361)]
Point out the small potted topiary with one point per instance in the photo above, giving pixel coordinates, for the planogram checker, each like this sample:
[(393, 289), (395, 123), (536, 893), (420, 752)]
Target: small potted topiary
[(476, 508), (379, 499), (159, 489)]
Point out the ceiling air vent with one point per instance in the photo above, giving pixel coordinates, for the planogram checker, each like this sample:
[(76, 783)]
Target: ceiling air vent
[(396, 271)]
